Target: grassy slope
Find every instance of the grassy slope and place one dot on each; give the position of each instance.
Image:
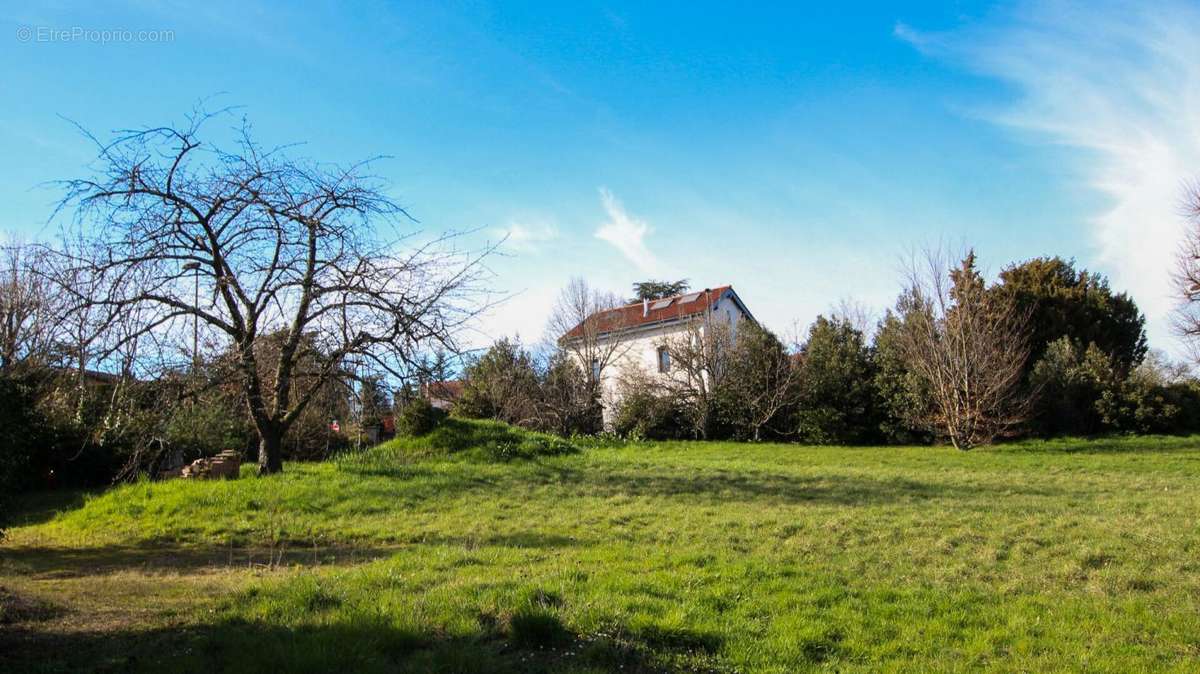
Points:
(698, 556)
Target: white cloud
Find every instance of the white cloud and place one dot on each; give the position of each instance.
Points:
(526, 237)
(626, 233)
(1121, 83)
(905, 32)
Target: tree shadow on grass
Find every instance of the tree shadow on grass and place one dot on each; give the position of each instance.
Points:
(416, 483)
(700, 485)
(42, 506)
(60, 562)
(1108, 444)
(746, 486)
(520, 644)
(20, 608)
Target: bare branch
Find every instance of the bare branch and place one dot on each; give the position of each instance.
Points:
(174, 234)
(969, 347)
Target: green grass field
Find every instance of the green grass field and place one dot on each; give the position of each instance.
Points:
(483, 549)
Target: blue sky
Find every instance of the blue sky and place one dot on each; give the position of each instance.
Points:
(797, 152)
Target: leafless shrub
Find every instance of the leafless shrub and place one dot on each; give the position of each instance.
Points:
(968, 346)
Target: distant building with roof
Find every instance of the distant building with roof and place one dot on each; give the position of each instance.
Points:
(442, 394)
(645, 329)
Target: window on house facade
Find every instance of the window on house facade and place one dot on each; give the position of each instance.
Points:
(664, 359)
(595, 369)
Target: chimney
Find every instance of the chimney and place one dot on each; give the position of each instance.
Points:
(645, 307)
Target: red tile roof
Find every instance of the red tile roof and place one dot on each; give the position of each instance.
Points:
(449, 391)
(631, 315)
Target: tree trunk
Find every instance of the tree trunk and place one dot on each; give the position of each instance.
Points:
(270, 451)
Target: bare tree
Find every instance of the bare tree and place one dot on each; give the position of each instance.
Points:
(1159, 369)
(82, 330)
(695, 365)
(856, 314)
(181, 235)
(969, 347)
(1187, 277)
(27, 311)
(588, 324)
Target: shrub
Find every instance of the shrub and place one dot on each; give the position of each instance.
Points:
(311, 439)
(1144, 407)
(1071, 383)
(759, 390)
(19, 424)
(837, 399)
(76, 451)
(1082, 393)
(1161, 396)
(208, 426)
(21, 429)
(900, 396)
(643, 412)
(567, 405)
(418, 417)
(1063, 301)
(501, 384)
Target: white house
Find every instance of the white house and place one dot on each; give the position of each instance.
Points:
(636, 336)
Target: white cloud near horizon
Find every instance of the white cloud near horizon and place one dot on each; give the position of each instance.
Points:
(1120, 83)
(626, 233)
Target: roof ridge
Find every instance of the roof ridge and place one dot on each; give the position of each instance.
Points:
(664, 309)
(671, 297)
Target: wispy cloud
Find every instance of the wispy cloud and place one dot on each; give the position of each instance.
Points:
(908, 34)
(526, 237)
(1122, 84)
(626, 233)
